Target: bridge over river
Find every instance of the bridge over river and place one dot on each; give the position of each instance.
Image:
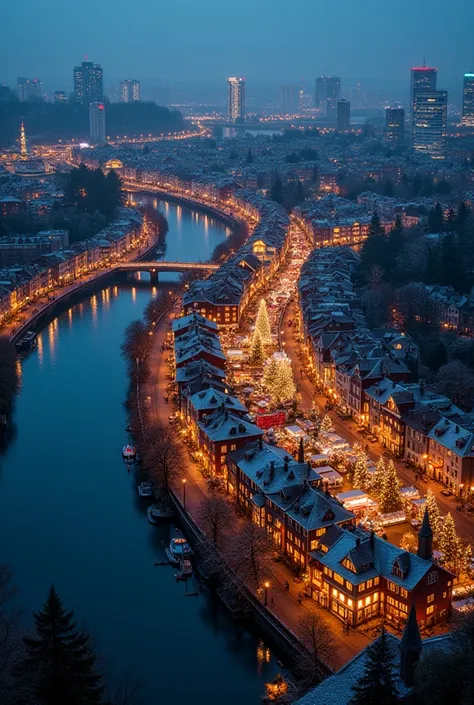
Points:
(154, 268)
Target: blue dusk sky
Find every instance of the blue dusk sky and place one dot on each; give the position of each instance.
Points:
(275, 40)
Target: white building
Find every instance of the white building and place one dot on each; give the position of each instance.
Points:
(97, 122)
(236, 99)
(129, 91)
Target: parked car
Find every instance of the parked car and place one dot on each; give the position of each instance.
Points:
(446, 492)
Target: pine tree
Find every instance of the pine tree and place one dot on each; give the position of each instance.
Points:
(257, 351)
(465, 560)
(249, 158)
(326, 425)
(62, 658)
(433, 511)
(377, 685)
(390, 497)
(449, 542)
(378, 478)
(262, 323)
(360, 479)
(278, 378)
(276, 192)
(435, 220)
(395, 244)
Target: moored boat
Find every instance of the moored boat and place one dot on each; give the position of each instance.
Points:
(157, 513)
(129, 453)
(145, 489)
(178, 549)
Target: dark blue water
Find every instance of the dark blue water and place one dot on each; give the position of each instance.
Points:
(70, 513)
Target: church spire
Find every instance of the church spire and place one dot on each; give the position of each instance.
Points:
(425, 538)
(23, 148)
(410, 647)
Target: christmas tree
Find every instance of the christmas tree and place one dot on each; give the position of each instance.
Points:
(378, 478)
(390, 497)
(377, 684)
(62, 658)
(326, 425)
(360, 479)
(449, 543)
(433, 511)
(257, 351)
(262, 324)
(465, 560)
(278, 378)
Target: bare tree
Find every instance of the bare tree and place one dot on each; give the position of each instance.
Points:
(217, 518)
(456, 380)
(250, 554)
(125, 691)
(162, 456)
(320, 647)
(135, 349)
(156, 306)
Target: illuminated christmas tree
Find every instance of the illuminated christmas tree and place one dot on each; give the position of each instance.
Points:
(378, 478)
(449, 543)
(278, 378)
(390, 497)
(257, 351)
(360, 479)
(262, 324)
(465, 561)
(433, 511)
(326, 425)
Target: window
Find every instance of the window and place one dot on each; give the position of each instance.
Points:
(233, 447)
(430, 610)
(445, 594)
(328, 572)
(334, 592)
(348, 585)
(362, 587)
(369, 583)
(223, 449)
(432, 577)
(403, 592)
(376, 581)
(430, 598)
(338, 579)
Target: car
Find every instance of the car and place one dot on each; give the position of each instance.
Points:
(446, 492)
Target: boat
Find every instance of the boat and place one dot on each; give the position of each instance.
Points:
(179, 548)
(129, 453)
(157, 513)
(27, 342)
(185, 567)
(145, 489)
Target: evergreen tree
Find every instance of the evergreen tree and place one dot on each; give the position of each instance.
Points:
(257, 351)
(276, 192)
(378, 478)
(262, 323)
(395, 244)
(377, 684)
(360, 479)
(449, 543)
(435, 220)
(433, 511)
(390, 497)
(326, 425)
(249, 158)
(299, 192)
(280, 383)
(374, 250)
(62, 658)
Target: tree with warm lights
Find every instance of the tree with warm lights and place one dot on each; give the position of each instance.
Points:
(278, 378)
(433, 512)
(449, 543)
(378, 478)
(390, 497)
(257, 351)
(262, 323)
(360, 479)
(409, 542)
(326, 425)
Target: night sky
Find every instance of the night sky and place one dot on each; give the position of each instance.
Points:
(257, 39)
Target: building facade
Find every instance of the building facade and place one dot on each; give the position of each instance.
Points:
(236, 99)
(343, 115)
(88, 83)
(97, 122)
(395, 125)
(129, 91)
(29, 89)
(429, 123)
(468, 99)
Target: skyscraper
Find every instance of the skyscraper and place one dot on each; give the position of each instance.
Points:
(88, 83)
(429, 121)
(97, 121)
(29, 89)
(290, 98)
(320, 92)
(327, 93)
(129, 91)
(468, 99)
(395, 125)
(236, 99)
(423, 79)
(343, 115)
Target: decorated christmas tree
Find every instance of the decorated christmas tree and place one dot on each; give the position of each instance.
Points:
(262, 323)
(278, 378)
(360, 479)
(378, 478)
(257, 351)
(449, 543)
(433, 511)
(465, 561)
(326, 425)
(390, 497)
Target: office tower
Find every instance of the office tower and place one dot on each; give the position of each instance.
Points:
(236, 99)
(423, 79)
(327, 93)
(468, 99)
(343, 115)
(129, 91)
(97, 121)
(88, 83)
(395, 125)
(29, 89)
(59, 97)
(320, 93)
(430, 111)
(290, 99)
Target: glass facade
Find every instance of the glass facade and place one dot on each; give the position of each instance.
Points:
(468, 99)
(429, 122)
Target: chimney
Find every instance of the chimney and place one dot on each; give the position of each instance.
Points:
(372, 538)
(425, 538)
(308, 469)
(286, 461)
(410, 648)
(260, 443)
(272, 469)
(301, 451)
(422, 387)
(357, 542)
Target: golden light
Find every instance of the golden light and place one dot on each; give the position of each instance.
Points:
(184, 480)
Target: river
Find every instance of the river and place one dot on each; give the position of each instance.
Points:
(70, 514)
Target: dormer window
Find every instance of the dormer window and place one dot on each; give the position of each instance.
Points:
(396, 570)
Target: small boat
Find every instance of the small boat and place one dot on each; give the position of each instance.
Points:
(27, 342)
(185, 567)
(179, 548)
(129, 453)
(156, 513)
(145, 489)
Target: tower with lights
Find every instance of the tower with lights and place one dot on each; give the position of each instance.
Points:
(23, 147)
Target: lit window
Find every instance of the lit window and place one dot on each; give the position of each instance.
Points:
(342, 597)
(430, 598)
(349, 602)
(367, 600)
(430, 610)
(334, 592)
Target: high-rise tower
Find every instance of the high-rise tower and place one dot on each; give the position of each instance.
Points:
(468, 99)
(236, 99)
(88, 83)
(97, 122)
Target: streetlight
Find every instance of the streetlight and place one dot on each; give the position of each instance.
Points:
(184, 492)
(266, 585)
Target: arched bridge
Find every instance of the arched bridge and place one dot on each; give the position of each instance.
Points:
(154, 268)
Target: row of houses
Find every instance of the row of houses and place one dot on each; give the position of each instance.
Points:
(20, 285)
(369, 375)
(352, 573)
